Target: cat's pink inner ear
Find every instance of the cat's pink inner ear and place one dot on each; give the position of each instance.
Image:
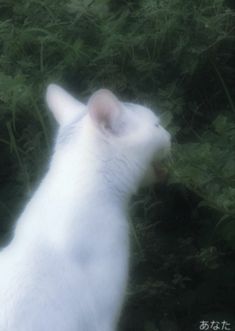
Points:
(105, 109)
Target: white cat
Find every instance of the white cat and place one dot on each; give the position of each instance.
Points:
(66, 268)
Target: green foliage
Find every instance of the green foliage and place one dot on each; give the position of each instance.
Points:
(176, 56)
(207, 167)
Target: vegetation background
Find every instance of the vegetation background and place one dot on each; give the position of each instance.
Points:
(175, 56)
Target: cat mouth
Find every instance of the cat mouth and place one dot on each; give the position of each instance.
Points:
(161, 165)
(160, 171)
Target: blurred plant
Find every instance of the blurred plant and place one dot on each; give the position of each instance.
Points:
(178, 58)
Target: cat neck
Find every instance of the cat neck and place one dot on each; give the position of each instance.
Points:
(71, 194)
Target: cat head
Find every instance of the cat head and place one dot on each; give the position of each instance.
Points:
(128, 138)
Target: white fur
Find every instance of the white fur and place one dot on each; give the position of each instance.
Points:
(66, 268)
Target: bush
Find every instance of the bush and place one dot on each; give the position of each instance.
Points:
(175, 56)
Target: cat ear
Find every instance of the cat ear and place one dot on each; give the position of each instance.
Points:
(64, 107)
(105, 110)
